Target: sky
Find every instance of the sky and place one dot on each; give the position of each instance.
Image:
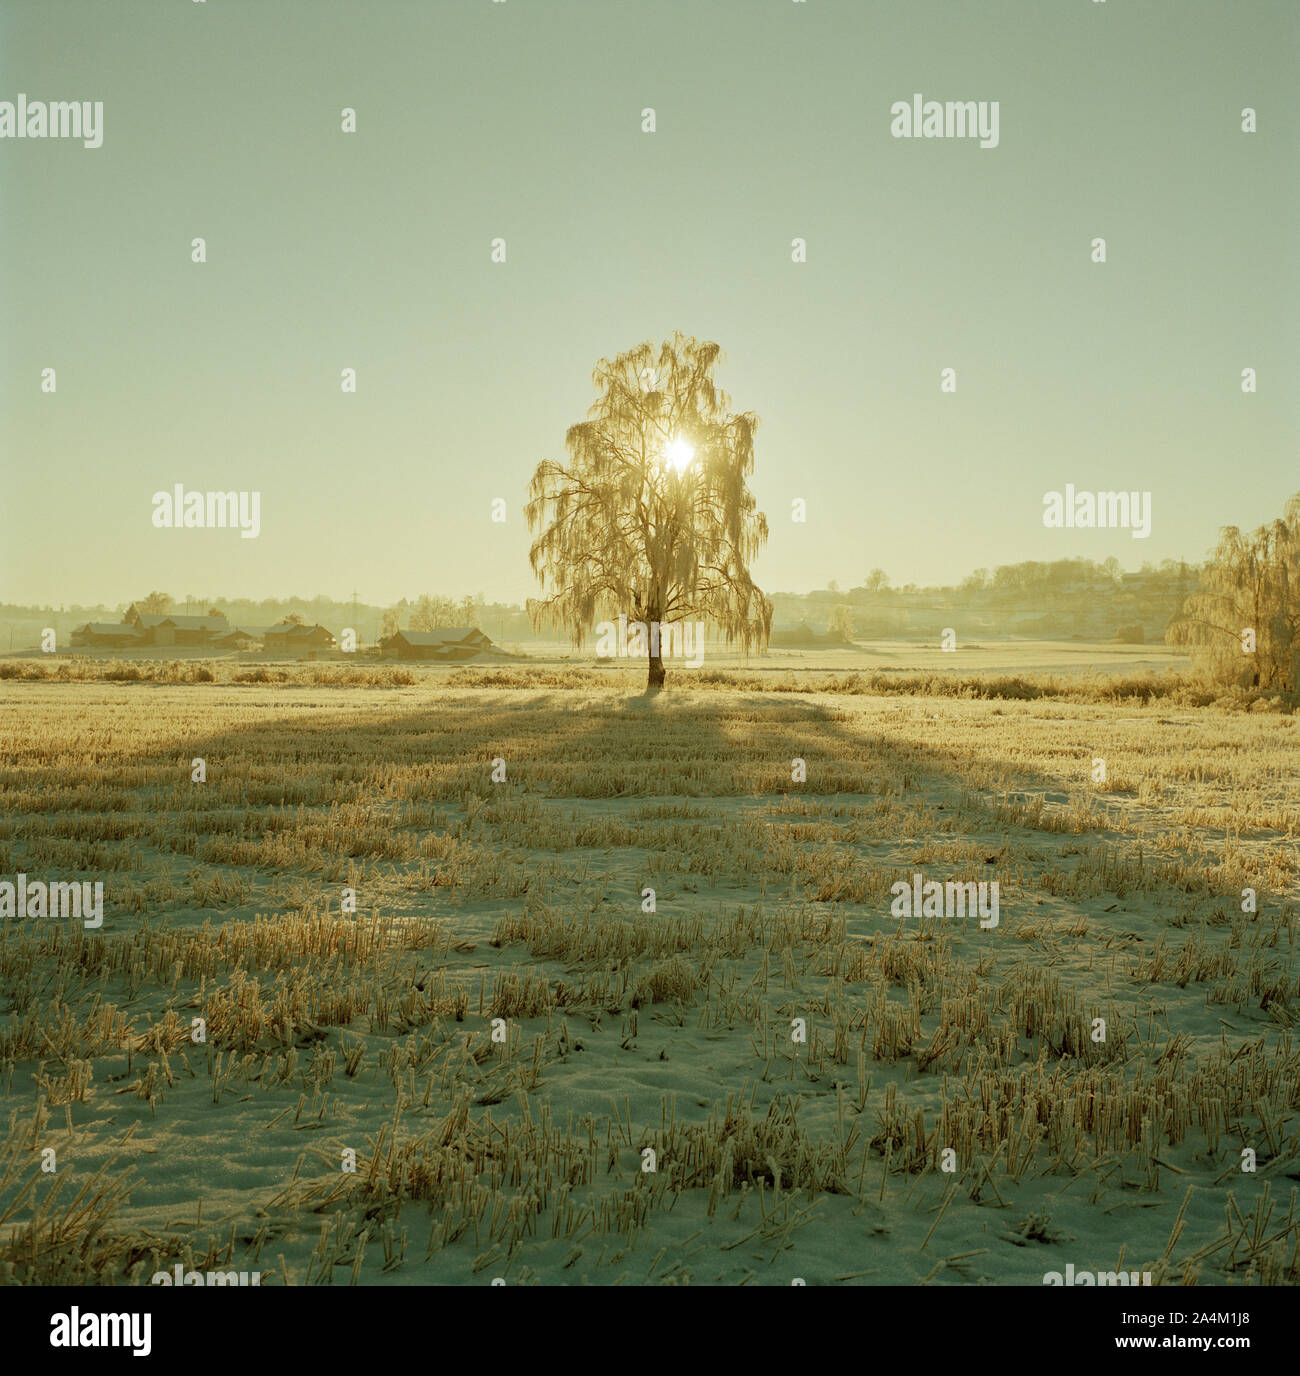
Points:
(523, 120)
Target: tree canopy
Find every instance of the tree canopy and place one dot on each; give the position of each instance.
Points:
(652, 517)
(1243, 622)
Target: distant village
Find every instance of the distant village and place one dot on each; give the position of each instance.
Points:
(142, 630)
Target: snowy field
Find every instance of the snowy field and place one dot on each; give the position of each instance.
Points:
(639, 1008)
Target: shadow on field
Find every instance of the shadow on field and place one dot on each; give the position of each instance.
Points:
(566, 744)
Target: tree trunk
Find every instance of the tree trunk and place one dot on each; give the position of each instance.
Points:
(655, 679)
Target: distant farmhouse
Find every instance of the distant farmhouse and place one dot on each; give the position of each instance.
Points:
(171, 629)
(140, 630)
(238, 637)
(107, 635)
(446, 643)
(143, 630)
(290, 635)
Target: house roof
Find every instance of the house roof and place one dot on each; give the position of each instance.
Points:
(252, 632)
(184, 623)
(444, 635)
(108, 628)
(294, 628)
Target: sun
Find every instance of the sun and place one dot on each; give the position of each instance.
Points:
(679, 454)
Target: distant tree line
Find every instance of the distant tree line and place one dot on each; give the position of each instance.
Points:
(1058, 597)
(1238, 614)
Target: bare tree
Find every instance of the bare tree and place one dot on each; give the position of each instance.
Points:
(652, 516)
(431, 612)
(841, 622)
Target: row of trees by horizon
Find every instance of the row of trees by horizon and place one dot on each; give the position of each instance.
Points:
(1062, 597)
(1247, 592)
(876, 606)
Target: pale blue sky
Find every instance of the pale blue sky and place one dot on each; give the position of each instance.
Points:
(522, 119)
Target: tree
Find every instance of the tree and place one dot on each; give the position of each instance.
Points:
(295, 619)
(652, 516)
(1243, 622)
(389, 624)
(431, 612)
(841, 622)
(976, 581)
(156, 604)
(877, 580)
(216, 611)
